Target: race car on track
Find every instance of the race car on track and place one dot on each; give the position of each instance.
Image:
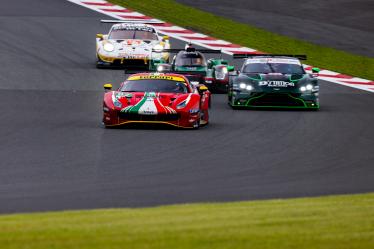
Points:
(274, 81)
(157, 98)
(131, 44)
(191, 62)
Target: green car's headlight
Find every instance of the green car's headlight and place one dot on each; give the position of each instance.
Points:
(244, 86)
(308, 87)
(249, 88)
(160, 68)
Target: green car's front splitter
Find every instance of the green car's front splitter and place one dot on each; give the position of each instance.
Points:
(275, 107)
(253, 103)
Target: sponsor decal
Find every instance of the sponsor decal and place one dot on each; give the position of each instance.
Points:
(156, 77)
(276, 83)
(149, 105)
(133, 56)
(136, 28)
(119, 95)
(190, 68)
(132, 42)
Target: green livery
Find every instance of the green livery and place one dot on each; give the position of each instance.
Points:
(191, 62)
(273, 81)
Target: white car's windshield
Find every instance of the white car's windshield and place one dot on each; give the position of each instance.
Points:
(139, 34)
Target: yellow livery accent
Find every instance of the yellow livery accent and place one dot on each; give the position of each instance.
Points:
(105, 58)
(156, 77)
(150, 122)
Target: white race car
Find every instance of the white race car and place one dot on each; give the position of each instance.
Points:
(131, 44)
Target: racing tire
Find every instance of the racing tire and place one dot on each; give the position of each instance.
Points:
(231, 104)
(197, 125)
(100, 64)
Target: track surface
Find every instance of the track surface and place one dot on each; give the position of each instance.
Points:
(343, 24)
(55, 155)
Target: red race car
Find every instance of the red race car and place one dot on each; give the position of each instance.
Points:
(157, 98)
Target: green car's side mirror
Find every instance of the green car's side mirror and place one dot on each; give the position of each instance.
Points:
(108, 87)
(315, 70)
(230, 68)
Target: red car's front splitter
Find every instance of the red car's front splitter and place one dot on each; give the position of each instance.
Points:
(185, 121)
(124, 123)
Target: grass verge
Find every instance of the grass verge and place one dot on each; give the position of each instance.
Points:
(316, 223)
(249, 36)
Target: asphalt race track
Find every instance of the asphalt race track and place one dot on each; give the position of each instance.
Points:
(55, 155)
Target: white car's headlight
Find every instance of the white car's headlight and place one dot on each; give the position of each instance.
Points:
(158, 48)
(109, 47)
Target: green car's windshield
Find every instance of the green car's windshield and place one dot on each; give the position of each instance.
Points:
(154, 85)
(266, 68)
(192, 59)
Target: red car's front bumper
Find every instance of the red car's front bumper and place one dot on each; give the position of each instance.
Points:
(180, 119)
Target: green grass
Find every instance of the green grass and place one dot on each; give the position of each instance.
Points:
(249, 36)
(315, 223)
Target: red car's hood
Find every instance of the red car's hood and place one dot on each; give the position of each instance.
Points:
(150, 103)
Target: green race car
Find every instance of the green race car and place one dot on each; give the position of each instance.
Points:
(191, 62)
(273, 81)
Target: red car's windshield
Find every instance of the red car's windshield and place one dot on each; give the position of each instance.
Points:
(154, 85)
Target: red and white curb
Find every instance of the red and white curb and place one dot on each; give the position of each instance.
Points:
(199, 39)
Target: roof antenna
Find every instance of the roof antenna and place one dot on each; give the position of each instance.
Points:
(188, 45)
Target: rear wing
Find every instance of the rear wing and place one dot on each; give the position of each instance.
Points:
(132, 21)
(188, 73)
(191, 73)
(176, 50)
(242, 56)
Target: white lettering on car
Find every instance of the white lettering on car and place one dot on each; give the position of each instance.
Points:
(276, 83)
